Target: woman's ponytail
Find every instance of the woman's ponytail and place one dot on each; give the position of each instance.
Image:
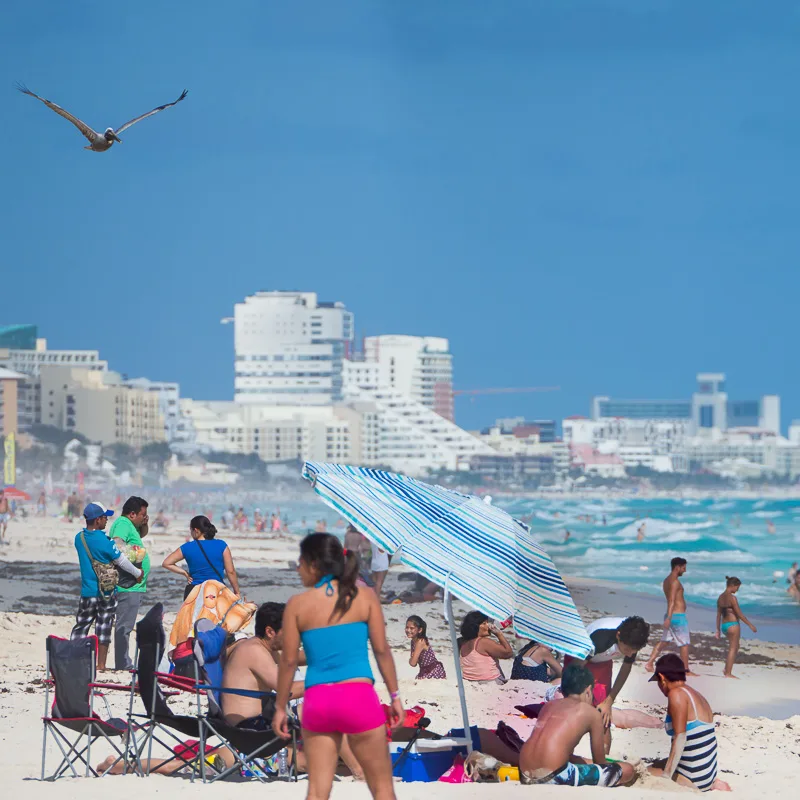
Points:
(347, 582)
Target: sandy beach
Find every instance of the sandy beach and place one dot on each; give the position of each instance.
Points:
(758, 716)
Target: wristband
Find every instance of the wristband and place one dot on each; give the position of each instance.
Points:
(394, 695)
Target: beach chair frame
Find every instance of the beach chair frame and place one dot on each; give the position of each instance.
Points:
(89, 726)
(204, 725)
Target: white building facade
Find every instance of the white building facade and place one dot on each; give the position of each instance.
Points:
(290, 349)
(418, 367)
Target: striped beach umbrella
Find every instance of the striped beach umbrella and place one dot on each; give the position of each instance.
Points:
(476, 551)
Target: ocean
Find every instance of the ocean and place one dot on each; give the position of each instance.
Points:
(717, 537)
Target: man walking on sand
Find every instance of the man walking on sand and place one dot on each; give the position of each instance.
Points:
(676, 626)
(128, 531)
(95, 605)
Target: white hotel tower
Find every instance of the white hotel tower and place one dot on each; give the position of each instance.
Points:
(289, 349)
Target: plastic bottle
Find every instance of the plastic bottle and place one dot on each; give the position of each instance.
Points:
(283, 763)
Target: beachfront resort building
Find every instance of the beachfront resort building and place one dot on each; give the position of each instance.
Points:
(169, 396)
(370, 428)
(289, 349)
(9, 401)
(419, 367)
(98, 404)
(708, 409)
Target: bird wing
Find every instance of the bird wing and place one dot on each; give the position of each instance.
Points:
(81, 126)
(150, 113)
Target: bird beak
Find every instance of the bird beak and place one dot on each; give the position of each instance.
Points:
(117, 139)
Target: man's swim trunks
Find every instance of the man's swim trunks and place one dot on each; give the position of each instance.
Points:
(579, 775)
(676, 630)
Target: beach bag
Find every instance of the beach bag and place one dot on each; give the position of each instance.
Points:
(523, 672)
(107, 575)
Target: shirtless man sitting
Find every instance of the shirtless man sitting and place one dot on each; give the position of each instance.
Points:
(676, 626)
(253, 665)
(547, 757)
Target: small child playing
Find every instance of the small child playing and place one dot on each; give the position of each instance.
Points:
(422, 654)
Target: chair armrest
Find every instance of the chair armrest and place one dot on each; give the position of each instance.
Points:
(239, 692)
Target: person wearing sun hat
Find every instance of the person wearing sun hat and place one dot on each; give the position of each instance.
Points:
(98, 605)
(692, 757)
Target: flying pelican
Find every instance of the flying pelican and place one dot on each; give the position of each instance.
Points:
(98, 142)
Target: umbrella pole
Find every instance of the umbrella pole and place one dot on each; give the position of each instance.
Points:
(448, 611)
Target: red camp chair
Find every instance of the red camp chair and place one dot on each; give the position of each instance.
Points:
(71, 668)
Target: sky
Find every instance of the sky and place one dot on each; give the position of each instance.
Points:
(595, 194)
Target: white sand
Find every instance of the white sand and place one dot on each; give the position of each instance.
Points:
(758, 756)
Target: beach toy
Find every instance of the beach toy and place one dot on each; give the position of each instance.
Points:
(643, 568)
(507, 773)
(778, 573)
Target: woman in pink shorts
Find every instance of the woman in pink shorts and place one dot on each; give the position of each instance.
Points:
(334, 620)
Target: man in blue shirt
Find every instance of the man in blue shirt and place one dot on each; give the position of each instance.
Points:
(96, 606)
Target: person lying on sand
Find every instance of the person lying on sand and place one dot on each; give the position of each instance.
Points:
(693, 755)
(547, 757)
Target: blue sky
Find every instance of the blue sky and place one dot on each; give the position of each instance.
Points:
(599, 194)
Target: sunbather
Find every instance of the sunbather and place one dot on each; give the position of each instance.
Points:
(547, 757)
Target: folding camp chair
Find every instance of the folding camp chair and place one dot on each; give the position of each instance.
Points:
(161, 722)
(71, 667)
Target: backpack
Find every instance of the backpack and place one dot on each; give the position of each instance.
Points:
(107, 575)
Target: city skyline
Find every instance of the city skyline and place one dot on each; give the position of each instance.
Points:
(597, 197)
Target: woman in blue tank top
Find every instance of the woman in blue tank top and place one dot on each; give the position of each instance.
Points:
(334, 620)
(207, 558)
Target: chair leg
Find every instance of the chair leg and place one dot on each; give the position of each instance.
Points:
(44, 749)
(89, 748)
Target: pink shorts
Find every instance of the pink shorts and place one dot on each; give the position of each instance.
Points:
(342, 708)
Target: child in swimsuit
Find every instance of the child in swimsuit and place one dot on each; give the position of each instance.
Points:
(728, 616)
(422, 654)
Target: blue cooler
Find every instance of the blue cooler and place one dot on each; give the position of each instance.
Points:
(428, 759)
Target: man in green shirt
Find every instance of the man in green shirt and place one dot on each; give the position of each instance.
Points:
(128, 530)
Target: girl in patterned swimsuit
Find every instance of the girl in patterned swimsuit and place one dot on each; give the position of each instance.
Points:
(422, 654)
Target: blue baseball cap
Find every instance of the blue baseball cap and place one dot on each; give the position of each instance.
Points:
(95, 511)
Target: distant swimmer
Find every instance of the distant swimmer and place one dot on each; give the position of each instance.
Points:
(676, 626)
(604, 519)
(770, 527)
(792, 572)
(640, 532)
(567, 534)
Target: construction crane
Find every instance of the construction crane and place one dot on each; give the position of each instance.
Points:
(511, 390)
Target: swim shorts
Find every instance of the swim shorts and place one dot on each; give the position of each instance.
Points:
(677, 631)
(380, 560)
(578, 775)
(4, 518)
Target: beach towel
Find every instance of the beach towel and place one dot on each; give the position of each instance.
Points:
(213, 601)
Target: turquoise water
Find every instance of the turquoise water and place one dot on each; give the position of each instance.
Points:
(717, 537)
